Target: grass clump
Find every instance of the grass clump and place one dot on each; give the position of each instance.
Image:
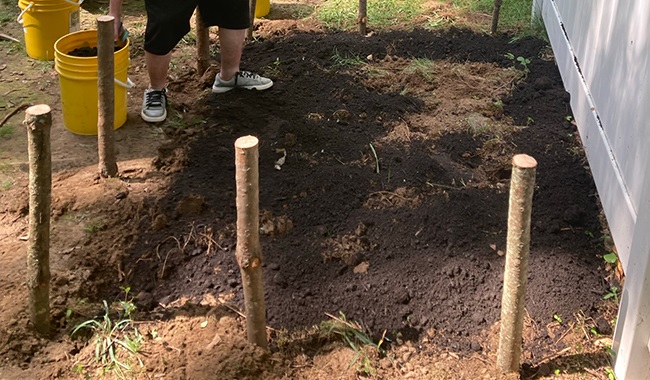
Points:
(343, 14)
(358, 339)
(115, 338)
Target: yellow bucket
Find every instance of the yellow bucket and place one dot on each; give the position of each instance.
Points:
(78, 82)
(262, 8)
(44, 22)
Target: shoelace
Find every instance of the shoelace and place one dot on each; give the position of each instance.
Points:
(247, 74)
(154, 98)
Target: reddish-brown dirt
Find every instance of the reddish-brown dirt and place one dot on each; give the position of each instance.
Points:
(391, 207)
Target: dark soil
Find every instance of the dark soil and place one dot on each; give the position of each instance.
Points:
(88, 51)
(411, 245)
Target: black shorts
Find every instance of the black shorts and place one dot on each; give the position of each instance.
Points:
(168, 21)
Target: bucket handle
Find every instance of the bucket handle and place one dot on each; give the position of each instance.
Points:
(19, 19)
(128, 85)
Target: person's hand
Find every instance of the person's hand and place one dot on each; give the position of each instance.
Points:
(121, 34)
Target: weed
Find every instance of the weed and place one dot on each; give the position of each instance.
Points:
(438, 21)
(274, 68)
(116, 341)
(557, 318)
(613, 293)
(422, 66)
(94, 227)
(357, 338)
(530, 121)
(344, 60)
(568, 118)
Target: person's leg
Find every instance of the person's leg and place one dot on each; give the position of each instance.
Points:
(167, 23)
(157, 67)
(232, 18)
(232, 44)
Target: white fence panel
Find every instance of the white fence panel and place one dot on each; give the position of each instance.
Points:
(602, 49)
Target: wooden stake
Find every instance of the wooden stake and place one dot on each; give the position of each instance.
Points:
(38, 120)
(249, 251)
(363, 17)
(522, 185)
(202, 45)
(106, 96)
(252, 7)
(495, 15)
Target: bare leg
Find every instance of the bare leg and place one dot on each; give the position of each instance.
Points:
(232, 44)
(157, 67)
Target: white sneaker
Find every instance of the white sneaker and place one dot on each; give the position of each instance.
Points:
(243, 79)
(154, 105)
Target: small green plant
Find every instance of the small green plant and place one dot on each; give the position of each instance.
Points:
(524, 62)
(613, 293)
(557, 372)
(568, 118)
(274, 68)
(557, 318)
(116, 340)
(610, 258)
(529, 121)
(610, 373)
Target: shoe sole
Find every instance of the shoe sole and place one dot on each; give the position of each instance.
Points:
(221, 90)
(151, 119)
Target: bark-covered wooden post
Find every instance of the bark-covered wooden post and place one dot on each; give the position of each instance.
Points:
(38, 120)
(515, 279)
(249, 250)
(495, 15)
(106, 96)
(202, 45)
(363, 17)
(252, 7)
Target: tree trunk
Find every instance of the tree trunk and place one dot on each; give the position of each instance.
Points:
(249, 251)
(249, 32)
(522, 185)
(106, 96)
(495, 15)
(202, 45)
(363, 17)
(38, 120)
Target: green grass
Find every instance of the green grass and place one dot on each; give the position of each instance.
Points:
(514, 15)
(8, 11)
(423, 66)
(6, 131)
(342, 14)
